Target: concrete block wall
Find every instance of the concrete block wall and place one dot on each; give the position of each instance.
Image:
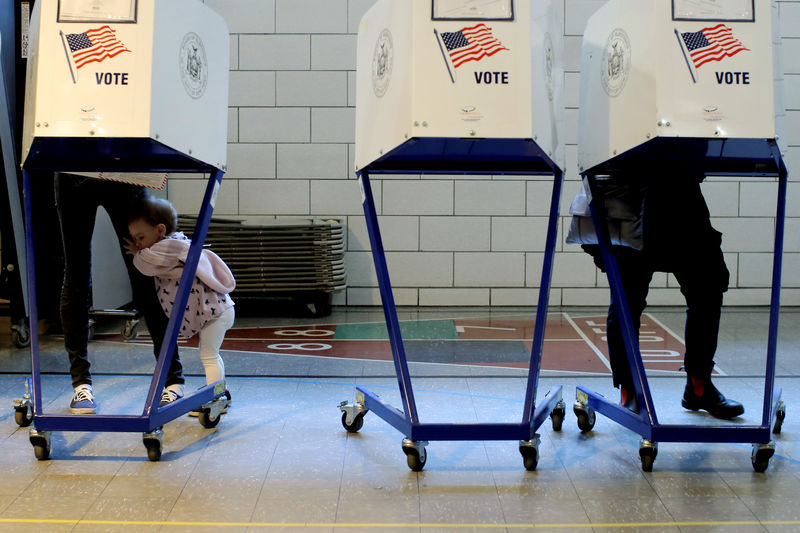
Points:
(449, 240)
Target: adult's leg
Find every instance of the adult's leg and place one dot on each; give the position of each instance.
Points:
(635, 275)
(76, 204)
(117, 201)
(47, 247)
(702, 281)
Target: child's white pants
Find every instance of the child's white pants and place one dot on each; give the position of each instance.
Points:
(211, 337)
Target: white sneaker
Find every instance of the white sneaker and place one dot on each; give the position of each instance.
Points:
(83, 401)
(170, 394)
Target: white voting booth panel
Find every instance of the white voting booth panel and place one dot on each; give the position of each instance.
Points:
(685, 68)
(160, 75)
(426, 70)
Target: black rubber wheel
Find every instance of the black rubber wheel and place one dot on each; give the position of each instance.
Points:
(22, 418)
(153, 449)
(41, 451)
(780, 414)
(586, 418)
(761, 459)
(530, 457)
(415, 457)
(21, 337)
(648, 457)
(415, 461)
(205, 419)
(358, 422)
(557, 417)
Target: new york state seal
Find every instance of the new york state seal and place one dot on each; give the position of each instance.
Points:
(616, 66)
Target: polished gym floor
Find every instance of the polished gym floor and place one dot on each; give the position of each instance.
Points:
(281, 460)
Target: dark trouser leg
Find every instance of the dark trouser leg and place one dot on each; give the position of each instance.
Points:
(76, 209)
(636, 276)
(142, 287)
(47, 247)
(702, 284)
(156, 320)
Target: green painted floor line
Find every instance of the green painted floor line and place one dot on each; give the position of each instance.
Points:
(409, 330)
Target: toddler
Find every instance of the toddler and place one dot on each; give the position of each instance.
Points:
(159, 250)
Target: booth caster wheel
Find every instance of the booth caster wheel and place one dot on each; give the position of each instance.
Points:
(211, 413)
(762, 452)
(557, 415)
(647, 453)
(41, 443)
(152, 441)
(23, 416)
(530, 452)
(415, 453)
(586, 416)
(207, 419)
(21, 335)
(356, 424)
(353, 416)
(131, 329)
(23, 407)
(780, 414)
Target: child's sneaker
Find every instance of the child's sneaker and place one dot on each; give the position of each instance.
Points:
(170, 394)
(83, 401)
(196, 412)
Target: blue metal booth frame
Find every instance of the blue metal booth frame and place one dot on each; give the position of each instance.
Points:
(712, 157)
(459, 156)
(118, 155)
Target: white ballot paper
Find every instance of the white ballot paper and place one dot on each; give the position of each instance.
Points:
(733, 10)
(473, 9)
(97, 10)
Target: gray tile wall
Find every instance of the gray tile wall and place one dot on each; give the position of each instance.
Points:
(449, 241)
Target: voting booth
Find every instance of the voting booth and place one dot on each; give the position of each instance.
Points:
(442, 74)
(459, 70)
(682, 87)
(660, 75)
(459, 87)
(139, 84)
(126, 90)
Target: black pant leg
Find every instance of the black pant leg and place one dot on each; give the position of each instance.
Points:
(143, 289)
(77, 207)
(635, 275)
(703, 280)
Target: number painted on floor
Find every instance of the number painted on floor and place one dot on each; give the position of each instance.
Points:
(304, 332)
(305, 346)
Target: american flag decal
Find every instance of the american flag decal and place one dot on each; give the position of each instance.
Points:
(94, 45)
(712, 44)
(471, 44)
